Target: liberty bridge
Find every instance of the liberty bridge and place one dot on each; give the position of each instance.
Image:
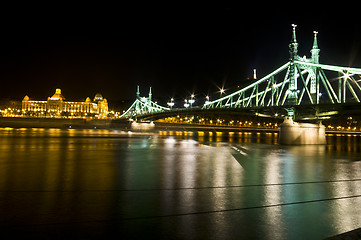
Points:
(302, 88)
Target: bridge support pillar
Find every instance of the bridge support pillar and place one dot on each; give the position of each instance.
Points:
(290, 112)
(293, 133)
(142, 126)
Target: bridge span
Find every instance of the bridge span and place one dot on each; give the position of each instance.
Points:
(302, 88)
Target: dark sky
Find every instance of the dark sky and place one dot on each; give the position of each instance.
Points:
(177, 50)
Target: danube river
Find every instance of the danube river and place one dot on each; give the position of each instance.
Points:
(91, 184)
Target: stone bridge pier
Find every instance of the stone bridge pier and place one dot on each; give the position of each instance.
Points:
(294, 133)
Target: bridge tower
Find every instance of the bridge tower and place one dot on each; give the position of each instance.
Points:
(150, 95)
(315, 78)
(292, 87)
(143, 106)
(315, 51)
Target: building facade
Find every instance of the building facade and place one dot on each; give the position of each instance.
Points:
(56, 106)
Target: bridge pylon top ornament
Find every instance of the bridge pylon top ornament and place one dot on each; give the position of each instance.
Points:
(293, 46)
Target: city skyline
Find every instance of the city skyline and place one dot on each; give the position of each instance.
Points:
(177, 51)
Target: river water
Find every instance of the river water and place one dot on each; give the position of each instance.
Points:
(91, 184)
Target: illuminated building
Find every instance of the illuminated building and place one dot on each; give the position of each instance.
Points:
(56, 106)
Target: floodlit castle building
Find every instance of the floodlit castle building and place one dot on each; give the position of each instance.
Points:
(56, 106)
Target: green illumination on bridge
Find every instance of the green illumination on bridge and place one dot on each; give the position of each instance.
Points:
(300, 81)
(143, 105)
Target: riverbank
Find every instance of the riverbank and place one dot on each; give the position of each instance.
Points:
(19, 122)
(210, 128)
(123, 124)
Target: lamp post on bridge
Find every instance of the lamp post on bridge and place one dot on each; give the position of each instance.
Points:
(222, 91)
(171, 103)
(207, 99)
(192, 100)
(186, 104)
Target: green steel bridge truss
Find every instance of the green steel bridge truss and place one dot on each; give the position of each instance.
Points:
(312, 78)
(300, 81)
(142, 106)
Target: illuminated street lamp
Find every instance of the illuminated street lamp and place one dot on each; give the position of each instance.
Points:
(192, 100)
(207, 99)
(186, 104)
(347, 75)
(222, 91)
(171, 103)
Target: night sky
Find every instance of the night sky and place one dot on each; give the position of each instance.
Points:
(176, 50)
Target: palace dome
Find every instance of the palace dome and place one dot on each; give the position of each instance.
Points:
(98, 97)
(57, 95)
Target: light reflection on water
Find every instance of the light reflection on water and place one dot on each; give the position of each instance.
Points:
(180, 184)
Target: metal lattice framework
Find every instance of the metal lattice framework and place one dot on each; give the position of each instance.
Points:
(299, 81)
(143, 106)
